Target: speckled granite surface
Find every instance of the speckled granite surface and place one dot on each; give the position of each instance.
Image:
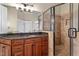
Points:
(22, 35)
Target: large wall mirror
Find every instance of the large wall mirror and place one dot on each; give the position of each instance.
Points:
(27, 21)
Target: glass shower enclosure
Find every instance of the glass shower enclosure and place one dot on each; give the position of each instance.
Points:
(62, 20)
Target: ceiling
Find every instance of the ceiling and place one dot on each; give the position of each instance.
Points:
(40, 7)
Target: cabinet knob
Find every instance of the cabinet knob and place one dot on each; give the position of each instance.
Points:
(3, 47)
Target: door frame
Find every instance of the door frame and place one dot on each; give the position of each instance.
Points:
(71, 24)
(71, 15)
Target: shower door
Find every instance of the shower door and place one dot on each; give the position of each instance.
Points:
(75, 24)
(66, 27)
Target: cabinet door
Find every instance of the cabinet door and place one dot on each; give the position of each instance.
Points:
(44, 46)
(4, 19)
(17, 50)
(28, 49)
(37, 47)
(44, 49)
(5, 50)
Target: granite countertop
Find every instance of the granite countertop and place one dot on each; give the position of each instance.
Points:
(22, 35)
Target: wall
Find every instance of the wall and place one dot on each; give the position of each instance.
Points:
(50, 43)
(58, 30)
(12, 19)
(27, 15)
(65, 14)
(76, 45)
(46, 21)
(75, 15)
(41, 22)
(65, 25)
(14, 16)
(64, 47)
(75, 24)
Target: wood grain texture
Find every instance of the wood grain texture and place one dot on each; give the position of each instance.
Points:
(37, 46)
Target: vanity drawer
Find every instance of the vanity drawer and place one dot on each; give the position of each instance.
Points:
(30, 40)
(5, 41)
(17, 42)
(18, 54)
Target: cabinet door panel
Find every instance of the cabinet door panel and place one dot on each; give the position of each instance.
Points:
(44, 46)
(5, 50)
(37, 47)
(17, 50)
(28, 49)
(44, 49)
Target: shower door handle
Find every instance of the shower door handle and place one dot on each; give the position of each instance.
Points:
(72, 33)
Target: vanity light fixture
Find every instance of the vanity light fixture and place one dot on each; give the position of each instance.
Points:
(25, 7)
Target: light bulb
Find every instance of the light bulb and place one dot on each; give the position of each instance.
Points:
(17, 7)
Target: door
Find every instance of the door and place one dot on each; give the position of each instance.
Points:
(76, 25)
(62, 24)
(37, 47)
(44, 46)
(28, 49)
(5, 50)
(66, 29)
(17, 50)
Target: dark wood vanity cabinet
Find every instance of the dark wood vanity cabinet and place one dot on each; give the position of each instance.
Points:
(36, 46)
(33, 47)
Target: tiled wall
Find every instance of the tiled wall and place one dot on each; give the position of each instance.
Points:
(76, 45)
(50, 42)
(65, 25)
(58, 30)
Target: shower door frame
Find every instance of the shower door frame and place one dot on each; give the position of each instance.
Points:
(71, 26)
(54, 29)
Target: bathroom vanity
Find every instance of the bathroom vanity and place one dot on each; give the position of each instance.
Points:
(24, 44)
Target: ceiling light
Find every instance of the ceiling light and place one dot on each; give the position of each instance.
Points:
(25, 7)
